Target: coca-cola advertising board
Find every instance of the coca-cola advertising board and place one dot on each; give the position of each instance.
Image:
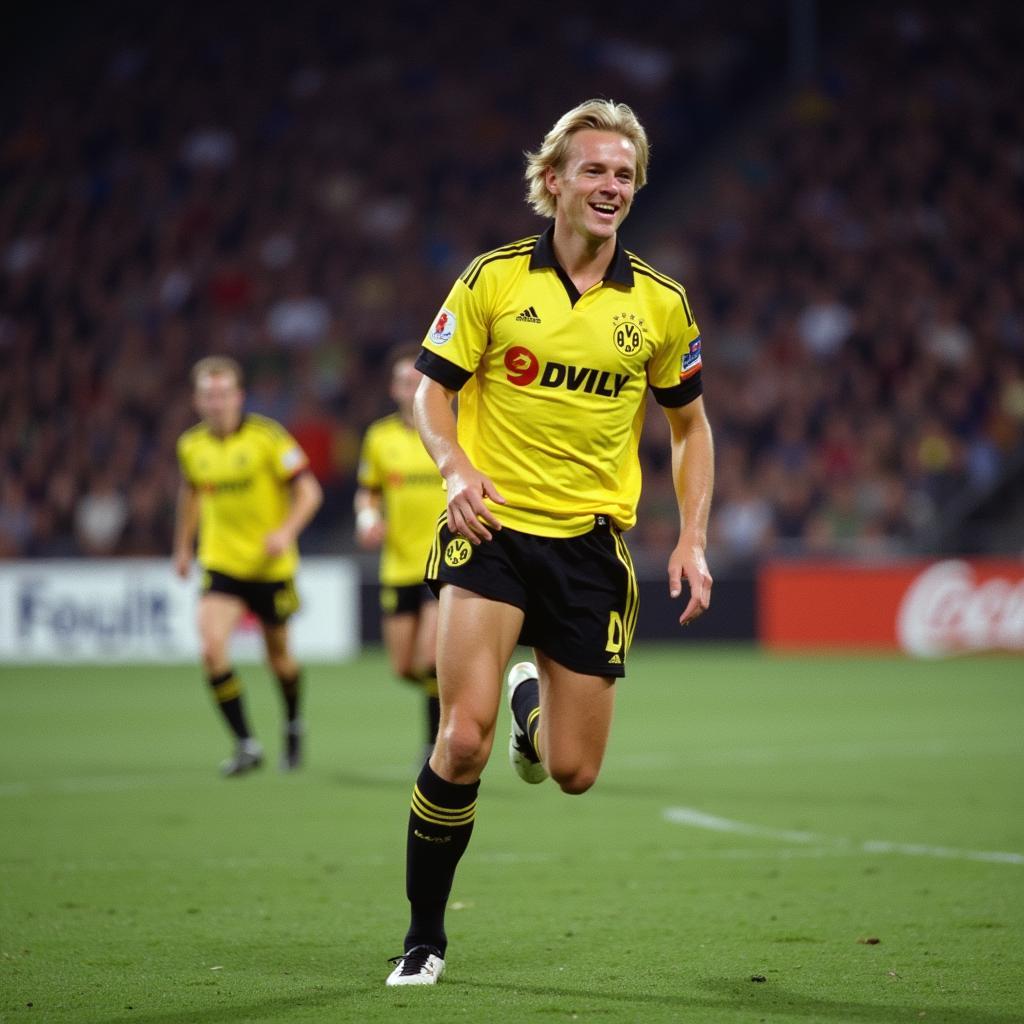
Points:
(927, 609)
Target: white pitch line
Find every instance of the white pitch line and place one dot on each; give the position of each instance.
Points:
(700, 819)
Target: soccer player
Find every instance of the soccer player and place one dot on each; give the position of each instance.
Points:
(551, 344)
(397, 503)
(247, 488)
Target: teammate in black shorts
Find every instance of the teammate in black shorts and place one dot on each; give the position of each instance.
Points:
(397, 503)
(551, 344)
(247, 490)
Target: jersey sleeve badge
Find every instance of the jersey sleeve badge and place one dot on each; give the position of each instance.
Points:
(444, 327)
(690, 362)
(293, 459)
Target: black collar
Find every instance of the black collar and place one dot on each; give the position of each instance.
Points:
(619, 270)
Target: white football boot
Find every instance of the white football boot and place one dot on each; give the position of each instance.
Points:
(422, 965)
(520, 749)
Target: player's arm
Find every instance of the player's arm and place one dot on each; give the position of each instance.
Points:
(693, 474)
(370, 527)
(306, 497)
(467, 486)
(186, 523)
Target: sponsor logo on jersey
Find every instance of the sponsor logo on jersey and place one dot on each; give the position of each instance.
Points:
(458, 552)
(583, 378)
(627, 333)
(690, 363)
(524, 368)
(444, 327)
(396, 479)
(221, 486)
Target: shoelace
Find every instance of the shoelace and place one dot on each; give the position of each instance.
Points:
(415, 960)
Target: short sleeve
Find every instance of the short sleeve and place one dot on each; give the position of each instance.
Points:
(674, 373)
(288, 459)
(461, 329)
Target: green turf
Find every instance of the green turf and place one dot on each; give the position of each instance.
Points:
(137, 886)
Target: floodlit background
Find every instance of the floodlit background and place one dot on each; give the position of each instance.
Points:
(840, 188)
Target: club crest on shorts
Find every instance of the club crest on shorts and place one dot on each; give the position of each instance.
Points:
(458, 552)
(628, 333)
(444, 327)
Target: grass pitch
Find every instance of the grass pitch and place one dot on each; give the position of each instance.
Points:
(778, 840)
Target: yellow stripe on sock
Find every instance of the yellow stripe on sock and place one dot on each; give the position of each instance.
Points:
(228, 690)
(451, 817)
(530, 719)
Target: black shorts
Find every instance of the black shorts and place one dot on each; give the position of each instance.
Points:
(579, 594)
(271, 601)
(404, 600)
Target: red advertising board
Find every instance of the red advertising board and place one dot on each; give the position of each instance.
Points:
(925, 608)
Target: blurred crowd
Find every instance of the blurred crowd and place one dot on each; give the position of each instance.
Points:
(300, 193)
(858, 271)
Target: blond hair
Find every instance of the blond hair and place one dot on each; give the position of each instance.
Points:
(215, 366)
(603, 115)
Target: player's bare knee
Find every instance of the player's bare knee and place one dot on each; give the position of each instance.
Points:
(573, 781)
(214, 657)
(463, 747)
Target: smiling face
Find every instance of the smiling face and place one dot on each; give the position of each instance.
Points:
(594, 190)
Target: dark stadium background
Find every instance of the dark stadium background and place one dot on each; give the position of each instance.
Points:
(840, 188)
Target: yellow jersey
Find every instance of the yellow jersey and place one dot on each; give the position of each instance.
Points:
(552, 383)
(242, 481)
(394, 463)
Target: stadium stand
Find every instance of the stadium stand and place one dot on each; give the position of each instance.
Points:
(299, 192)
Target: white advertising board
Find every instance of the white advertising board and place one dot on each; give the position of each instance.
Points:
(137, 610)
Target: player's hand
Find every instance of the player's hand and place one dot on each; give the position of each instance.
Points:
(371, 536)
(278, 542)
(182, 564)
(687, 561)
(468, 516)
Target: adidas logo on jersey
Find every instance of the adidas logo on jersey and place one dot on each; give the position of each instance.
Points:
(528, 316)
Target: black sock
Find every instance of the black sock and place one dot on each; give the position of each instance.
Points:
(433, 718)
(227, 692)
(440, 824)
(291, 687)
(526, 708)
(428, 680)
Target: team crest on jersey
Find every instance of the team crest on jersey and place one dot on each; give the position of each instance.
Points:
(444, 327)
(690, 362)
(458, 552)
(628, 333)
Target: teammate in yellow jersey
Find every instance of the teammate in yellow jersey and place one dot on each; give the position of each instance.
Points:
(247, 489)
(398, 502)
(551, 344)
